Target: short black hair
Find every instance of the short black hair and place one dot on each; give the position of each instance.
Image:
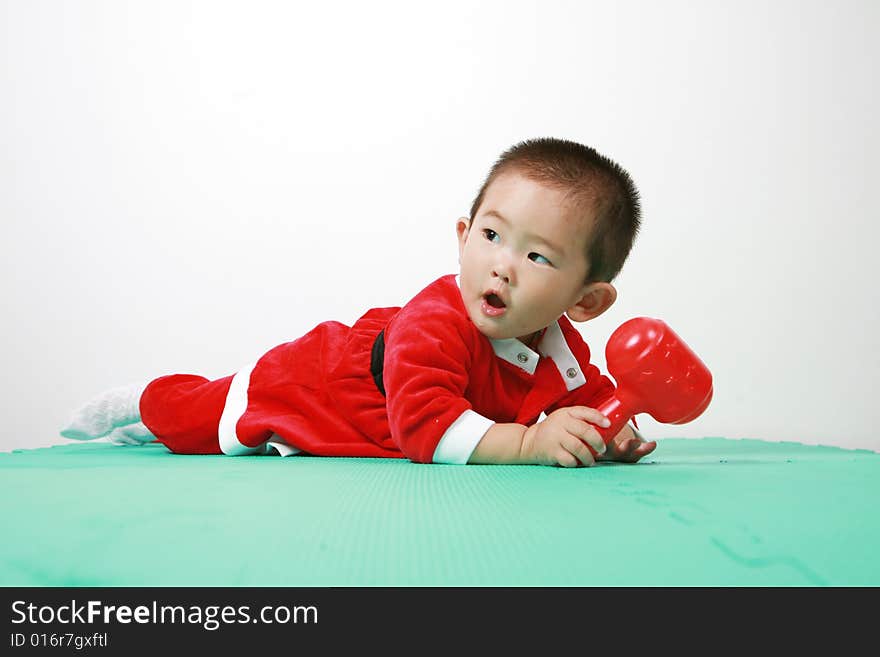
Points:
(589, 179)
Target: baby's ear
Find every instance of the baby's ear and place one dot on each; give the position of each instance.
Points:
(462, 228)
(596, 299)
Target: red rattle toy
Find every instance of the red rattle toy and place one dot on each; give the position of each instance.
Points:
(656, 373)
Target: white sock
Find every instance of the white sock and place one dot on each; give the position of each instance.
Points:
(131, 434)
(101, 415)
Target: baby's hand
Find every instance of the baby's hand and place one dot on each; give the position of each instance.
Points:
(628, 447)
(562, 438)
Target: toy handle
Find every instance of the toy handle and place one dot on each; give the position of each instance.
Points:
(618, 412)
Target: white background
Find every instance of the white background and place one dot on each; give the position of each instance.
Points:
(185, 185)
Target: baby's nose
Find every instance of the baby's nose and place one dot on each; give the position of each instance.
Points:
(503, 274)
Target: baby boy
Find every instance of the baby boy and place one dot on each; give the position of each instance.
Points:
(480, 367)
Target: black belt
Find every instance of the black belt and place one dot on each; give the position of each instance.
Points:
(377, 361)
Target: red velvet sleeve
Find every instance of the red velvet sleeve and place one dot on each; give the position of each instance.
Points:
(427, 359)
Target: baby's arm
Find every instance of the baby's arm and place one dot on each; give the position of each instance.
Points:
(564, 438)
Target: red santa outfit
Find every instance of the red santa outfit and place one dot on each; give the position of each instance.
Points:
(431, 396)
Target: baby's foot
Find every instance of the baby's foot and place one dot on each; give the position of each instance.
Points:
(131, 434)
(115, 408)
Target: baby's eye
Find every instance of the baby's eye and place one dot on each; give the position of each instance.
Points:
(491, 235)
(537, 257)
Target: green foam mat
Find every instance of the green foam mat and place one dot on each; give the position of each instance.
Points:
(707, 512)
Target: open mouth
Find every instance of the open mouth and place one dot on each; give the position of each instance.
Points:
(494, 300)
(492, 305)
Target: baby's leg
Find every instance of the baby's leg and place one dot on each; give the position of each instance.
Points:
(183, 412)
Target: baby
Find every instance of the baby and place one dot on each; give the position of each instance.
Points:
(479, 367)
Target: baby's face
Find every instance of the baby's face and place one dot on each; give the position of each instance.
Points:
(523, 258)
